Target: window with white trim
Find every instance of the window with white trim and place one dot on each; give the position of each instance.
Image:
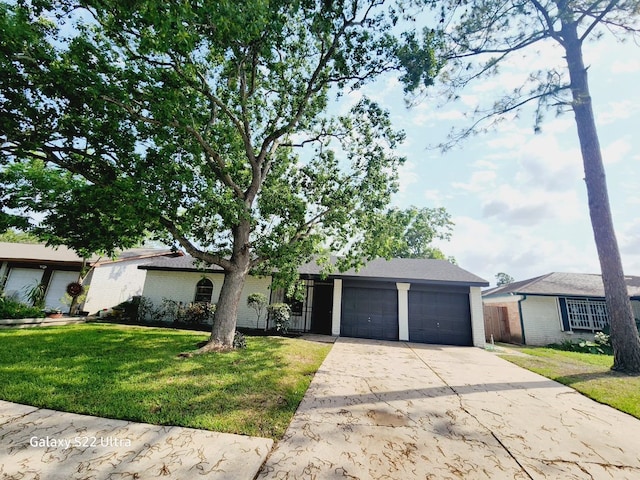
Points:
(204, 291)
(587, 314)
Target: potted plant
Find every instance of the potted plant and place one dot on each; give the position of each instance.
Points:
(53, 313)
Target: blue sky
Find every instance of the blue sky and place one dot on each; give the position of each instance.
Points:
(518, 199)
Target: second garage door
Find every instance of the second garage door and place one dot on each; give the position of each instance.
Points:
(370, 311)
(440, 316)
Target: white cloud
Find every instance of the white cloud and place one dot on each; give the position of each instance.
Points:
(616, 151)
(629, 65)
(484, 164)
(479, 181)
(407, 176)
(486, 249)
(617, 111)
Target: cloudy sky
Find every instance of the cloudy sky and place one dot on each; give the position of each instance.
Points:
(518, 198)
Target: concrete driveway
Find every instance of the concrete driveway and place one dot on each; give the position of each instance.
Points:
(389, 410)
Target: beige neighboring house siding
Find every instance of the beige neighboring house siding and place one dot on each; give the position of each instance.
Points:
(113, 283)
(181, 287)
(542, 318)
(477, 316)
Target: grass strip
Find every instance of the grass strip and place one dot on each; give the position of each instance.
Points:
(587, 373)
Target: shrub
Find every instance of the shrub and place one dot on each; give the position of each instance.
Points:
(36, 294)
(281, 314)
(602, 339)
(585, 346)
(146, 310)
(239, 340)
(198, 313)
(11, 308)
(171, 311)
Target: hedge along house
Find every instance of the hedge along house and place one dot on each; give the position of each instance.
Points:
(556, 307)
(418, 300)
(108, 282)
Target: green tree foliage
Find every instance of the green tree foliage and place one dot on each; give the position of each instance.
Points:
(410, 233)
(477, 37)
(503, 279)
(16, 236)
(186, 119)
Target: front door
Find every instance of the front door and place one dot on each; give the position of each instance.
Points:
(322, 308)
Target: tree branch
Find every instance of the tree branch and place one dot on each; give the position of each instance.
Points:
(610, 6)
(213, 158)
(191, 248)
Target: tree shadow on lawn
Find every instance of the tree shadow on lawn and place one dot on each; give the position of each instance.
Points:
(597, 375)
(137, 376)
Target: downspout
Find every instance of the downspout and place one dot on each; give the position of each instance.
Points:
(524, 297)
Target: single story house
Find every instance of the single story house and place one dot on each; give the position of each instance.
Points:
(108, 283)
(418, 300)
(554, 307)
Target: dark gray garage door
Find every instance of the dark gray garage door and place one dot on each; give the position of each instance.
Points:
(369, 312)
(440, 317)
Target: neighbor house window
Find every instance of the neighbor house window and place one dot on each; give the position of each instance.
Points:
(204, 291)
(586, 314)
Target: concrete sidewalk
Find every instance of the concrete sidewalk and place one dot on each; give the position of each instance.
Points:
(410, 411)
(49, 445)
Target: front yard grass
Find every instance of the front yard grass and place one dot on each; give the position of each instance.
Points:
(587, 373)
(133, 373)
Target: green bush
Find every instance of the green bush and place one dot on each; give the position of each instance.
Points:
(239, 340)
(281, 314)
(600, 345)
(198, 313)
(10, 308)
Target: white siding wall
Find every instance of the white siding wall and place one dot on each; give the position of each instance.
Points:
(57, 290)
(20, 281)
(477, 316)
(114, 283)
(181, 287)
(542, 322)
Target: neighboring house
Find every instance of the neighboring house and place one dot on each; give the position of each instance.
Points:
(108, 283)
(555, 307)
(418, 300)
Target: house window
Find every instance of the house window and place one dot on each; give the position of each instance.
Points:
(295, 305)
(204, 291)
(587, 314)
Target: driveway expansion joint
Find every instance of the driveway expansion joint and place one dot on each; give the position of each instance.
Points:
(472, 415)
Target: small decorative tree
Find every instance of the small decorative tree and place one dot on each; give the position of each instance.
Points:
(258, 302)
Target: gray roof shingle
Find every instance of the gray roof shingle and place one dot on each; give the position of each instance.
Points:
(425, 270)
(563, 284)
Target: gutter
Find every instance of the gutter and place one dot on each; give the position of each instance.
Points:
(524, 297)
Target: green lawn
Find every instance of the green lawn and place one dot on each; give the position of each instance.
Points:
(133, 373)
(587, 373)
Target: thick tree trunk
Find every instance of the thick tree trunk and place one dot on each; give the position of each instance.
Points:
(624, 335)
(226, 314)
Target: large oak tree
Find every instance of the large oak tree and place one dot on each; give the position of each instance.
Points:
(182, 120)
(477, 37)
